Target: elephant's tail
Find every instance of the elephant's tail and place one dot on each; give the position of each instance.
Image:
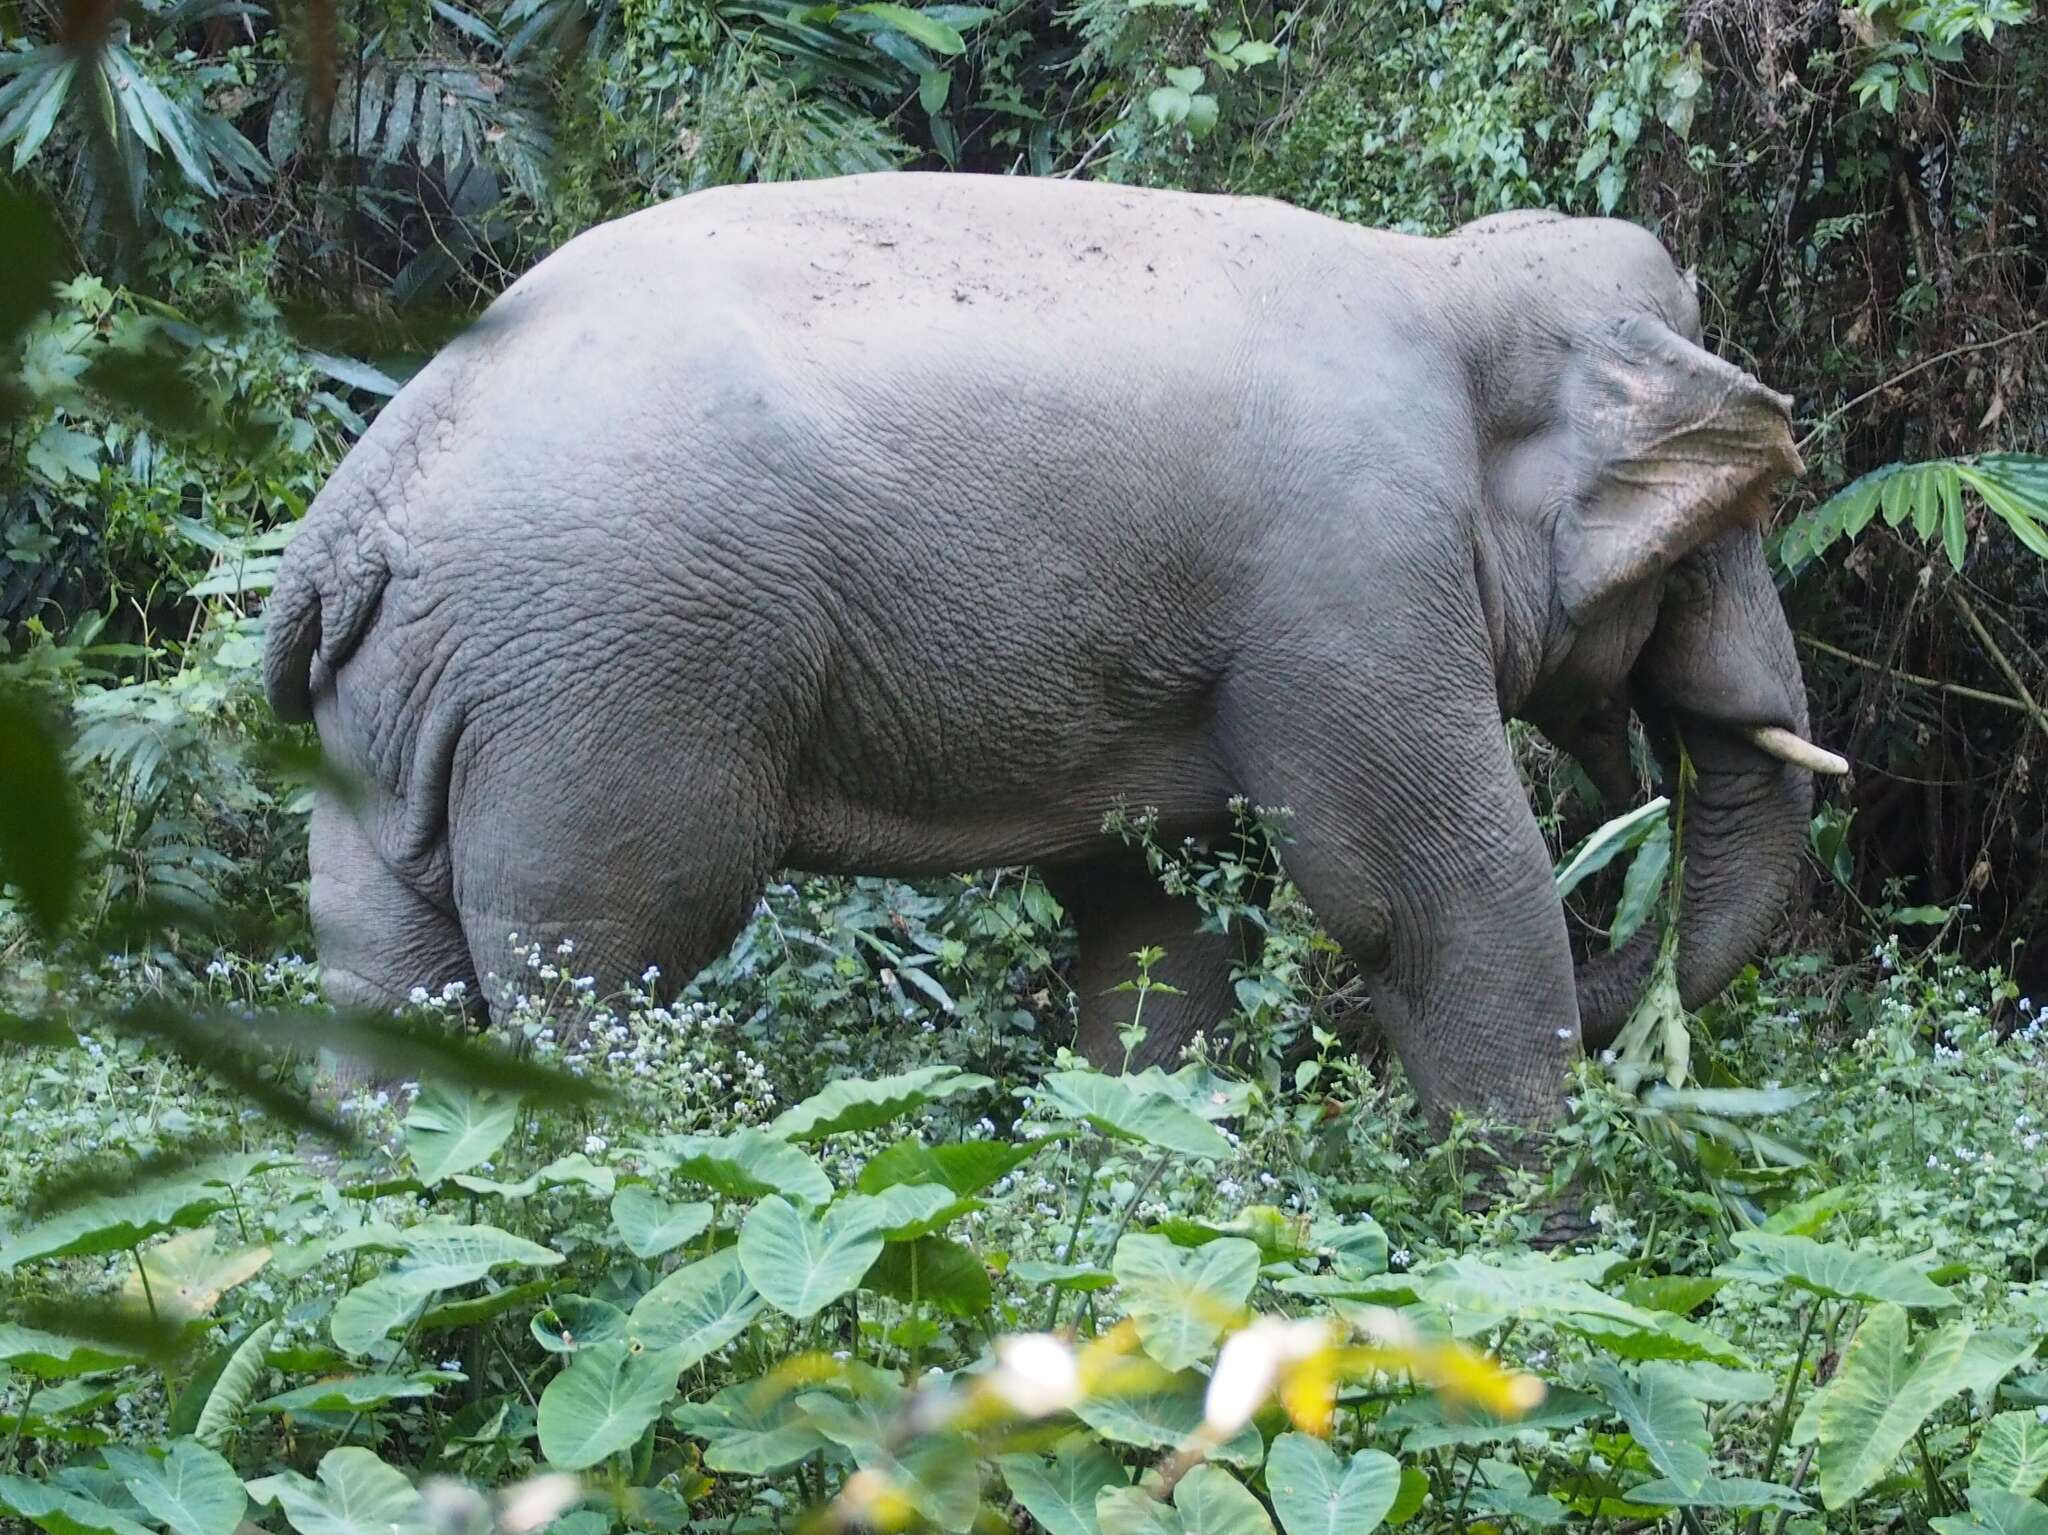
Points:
(328, 586)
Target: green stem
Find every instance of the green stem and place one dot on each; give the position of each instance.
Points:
(21, 1423)
(148, 1294)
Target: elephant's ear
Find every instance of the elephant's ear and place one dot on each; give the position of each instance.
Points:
(1669, 447)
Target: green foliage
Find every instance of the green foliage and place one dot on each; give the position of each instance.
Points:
(2013, 486)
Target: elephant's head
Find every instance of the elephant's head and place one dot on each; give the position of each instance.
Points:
(1633, 467)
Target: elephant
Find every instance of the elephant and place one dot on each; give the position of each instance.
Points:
(910, 523)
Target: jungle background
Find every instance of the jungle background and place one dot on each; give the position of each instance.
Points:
(230, 230)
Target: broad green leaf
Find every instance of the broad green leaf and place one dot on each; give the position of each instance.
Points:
(935, 35)
(186, 1278)
(1118, 1109)
(52, 1356)
(1166, 1420)
(965, 1167)
(450, 1130)
(803, 1262)
(62, 1511)
(1356, 1245)
(234, 1388)
(604, 1401)
(1661, 1335)
(1886, 1388)
(1830, 1269)
(192, 1490)
(903, 1212)
(931, 1271)
(436, 1258)
(937, 1474)
(448, 1315)
(698, 1309)
(1183, 1299)
(854, 1103)
(749, 1429)
(357, 1494)
(109, 1223)
(573, 1168)
(1061, 1495)
(1063, 1276)
(1716, 1492)
(745, 1165)
(1608, 842)
(577, 1322)
(650, 1226)
(2012, 1454)
(353, 1393)
(1129, 1510)
(1995, 1511)
(1213, 1502)
(1669, 1425)
(1314, 1493)
(1207, 1501)
(1480, 1293)
(1278, 1235)
(1430, 1429)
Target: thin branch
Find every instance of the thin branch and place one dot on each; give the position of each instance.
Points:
(1919, 367)
(1978, 694)
(1998, 657)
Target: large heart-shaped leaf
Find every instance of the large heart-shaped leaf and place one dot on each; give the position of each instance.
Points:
(1182, 1300)
(1669, 1425)
(184, 1278)
(604, 1401)
(53, 1356)
(750, 1429)
(349, 1393)
(803, 1262)
(1166, 1420)
(234, 1388)
(436, 1258)
(1430, 1427)
(1316, 1494)
(650, 1226)
(1207, 1501)
(745, 1165)
(855, 1103)
(450, 1130)
(1061, 1494)
(573, 1168)
(1885, 1389)
(576, 1322)
(1995, 1511)
(113, 1222)
(357, 1494)
(1832, 1270)
(62, 1511)
(192, 1490)
(698, 1309)
(965, 1167)
(931, 1271)
(2012, 1454)
(1120, 1111)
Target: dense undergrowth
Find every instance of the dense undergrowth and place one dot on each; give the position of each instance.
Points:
(835, 1245)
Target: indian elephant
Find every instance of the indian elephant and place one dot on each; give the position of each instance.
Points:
(909, 523)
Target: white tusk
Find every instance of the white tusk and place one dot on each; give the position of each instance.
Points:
(1797, 750)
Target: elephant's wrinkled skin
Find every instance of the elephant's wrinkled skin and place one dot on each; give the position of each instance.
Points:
(907, 523)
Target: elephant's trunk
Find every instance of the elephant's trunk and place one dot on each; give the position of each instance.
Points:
(1745, 830)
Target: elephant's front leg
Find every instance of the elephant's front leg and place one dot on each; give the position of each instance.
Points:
(1414, 844)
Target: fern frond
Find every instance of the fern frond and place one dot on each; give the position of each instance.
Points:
(2014, 486)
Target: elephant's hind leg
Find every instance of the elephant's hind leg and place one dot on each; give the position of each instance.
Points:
(378, 936)
(609, 866)
(1118, 907)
